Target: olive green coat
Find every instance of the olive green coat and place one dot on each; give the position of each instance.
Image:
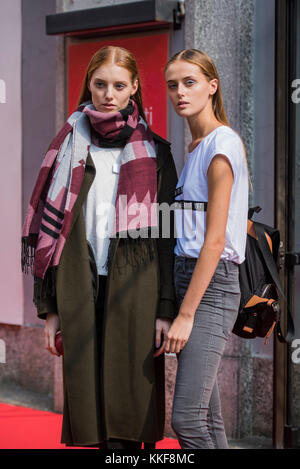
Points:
(113, 388)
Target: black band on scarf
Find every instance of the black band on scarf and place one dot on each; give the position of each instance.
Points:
(54, 210)
(49, 232)
(52, 222)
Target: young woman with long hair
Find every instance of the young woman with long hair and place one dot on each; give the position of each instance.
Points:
(101, 277)
(211, 208)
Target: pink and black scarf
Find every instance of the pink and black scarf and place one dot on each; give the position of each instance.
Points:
(50, 211)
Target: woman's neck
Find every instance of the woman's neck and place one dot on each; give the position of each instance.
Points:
(200, 126)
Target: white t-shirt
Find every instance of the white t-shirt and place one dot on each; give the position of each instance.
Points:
(99, 207)
(192, 192)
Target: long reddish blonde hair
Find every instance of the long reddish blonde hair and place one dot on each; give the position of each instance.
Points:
(121, 57)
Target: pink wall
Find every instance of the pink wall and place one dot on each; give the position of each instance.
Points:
(11, 287)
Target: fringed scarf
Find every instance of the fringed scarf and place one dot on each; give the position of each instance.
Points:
(50, 211)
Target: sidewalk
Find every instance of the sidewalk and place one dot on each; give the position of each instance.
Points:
(29, 422)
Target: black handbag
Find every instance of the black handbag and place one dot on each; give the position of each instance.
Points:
(259, 311)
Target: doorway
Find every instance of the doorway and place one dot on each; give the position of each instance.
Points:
(286, 427)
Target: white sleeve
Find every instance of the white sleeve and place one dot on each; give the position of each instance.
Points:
(230, 146)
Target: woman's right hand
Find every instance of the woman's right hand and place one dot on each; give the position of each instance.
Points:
(51, 327)
(179, 332)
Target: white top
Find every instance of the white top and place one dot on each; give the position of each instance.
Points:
(192, 186)
(99, 207)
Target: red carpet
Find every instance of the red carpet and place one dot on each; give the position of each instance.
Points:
(25, 428)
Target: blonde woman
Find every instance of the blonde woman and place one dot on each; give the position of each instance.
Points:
(211, 207)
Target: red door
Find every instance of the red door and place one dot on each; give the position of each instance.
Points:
(151, 53)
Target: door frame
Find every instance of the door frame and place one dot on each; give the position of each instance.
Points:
(285, 30)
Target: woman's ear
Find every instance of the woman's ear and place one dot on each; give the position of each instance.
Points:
(213, 86)
(134, 87)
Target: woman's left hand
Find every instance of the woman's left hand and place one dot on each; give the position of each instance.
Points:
(162, 327)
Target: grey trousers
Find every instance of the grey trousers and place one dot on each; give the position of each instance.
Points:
(196, 415)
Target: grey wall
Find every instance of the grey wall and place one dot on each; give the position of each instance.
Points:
(264, 126)
(27, 124)
(38, 106)
(224, 30)
(264, 117)
(176, 123)
(11, 288)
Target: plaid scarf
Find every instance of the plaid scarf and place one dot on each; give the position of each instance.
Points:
(49, 215)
